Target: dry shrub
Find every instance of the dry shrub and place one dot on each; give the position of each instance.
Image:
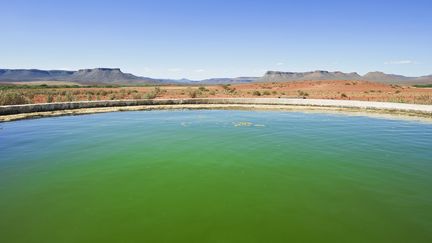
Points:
(256, 93)
(12, 98)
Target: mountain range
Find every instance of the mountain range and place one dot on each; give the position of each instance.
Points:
(276, 76)
(116, 76)
(85, 76)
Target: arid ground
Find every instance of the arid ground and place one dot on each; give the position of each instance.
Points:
(341, 90)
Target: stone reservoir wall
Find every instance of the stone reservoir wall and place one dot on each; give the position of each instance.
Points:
(30, 108)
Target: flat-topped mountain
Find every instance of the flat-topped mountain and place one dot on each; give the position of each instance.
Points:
(277, 76)
(383, 77)
(32, 74)
(102, 75)
(96, 75)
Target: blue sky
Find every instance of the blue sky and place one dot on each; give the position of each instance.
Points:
(201, 39)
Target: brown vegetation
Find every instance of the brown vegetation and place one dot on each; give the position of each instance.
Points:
(352, 90)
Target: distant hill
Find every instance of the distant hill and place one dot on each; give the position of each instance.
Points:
(32, 74)
(116, 76)
(386, 78)
(277, 76)
(84, 76)
(229, 80)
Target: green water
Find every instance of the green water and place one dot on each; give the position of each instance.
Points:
(215, 176)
